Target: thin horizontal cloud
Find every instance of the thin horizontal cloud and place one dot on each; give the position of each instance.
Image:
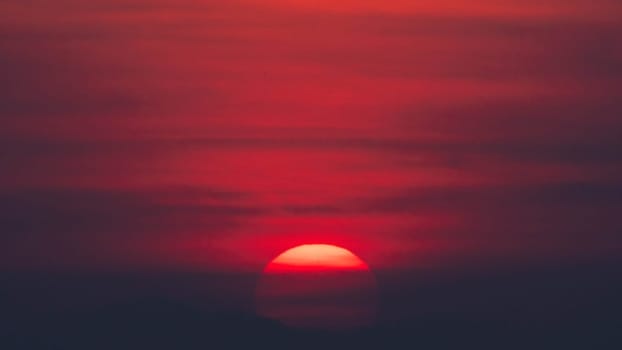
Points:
(596, 151)
(466, 199)
(34, 214)
(48, 228)
(485, 48)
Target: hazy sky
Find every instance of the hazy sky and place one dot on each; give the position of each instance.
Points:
(212, 135)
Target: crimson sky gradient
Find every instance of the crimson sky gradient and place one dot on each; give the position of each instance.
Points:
(212, 135)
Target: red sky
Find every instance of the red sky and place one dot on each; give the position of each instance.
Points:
(213, 135)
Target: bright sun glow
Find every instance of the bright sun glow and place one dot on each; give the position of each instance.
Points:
(316, 256)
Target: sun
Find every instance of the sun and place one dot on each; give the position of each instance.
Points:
(317, 286)
(316, 257)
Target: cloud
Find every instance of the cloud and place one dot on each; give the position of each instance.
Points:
(65, 221)
(543, 219)
(499, 198)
